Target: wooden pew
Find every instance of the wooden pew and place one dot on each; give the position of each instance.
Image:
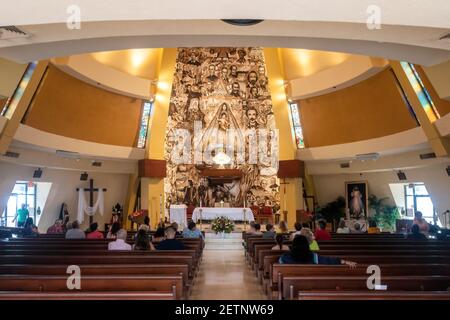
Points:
(292, 285)
(101, 269)
(124, 295)
(279, 271)
(373, 295)
(114, 283)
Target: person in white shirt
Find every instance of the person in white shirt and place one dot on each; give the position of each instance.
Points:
(119, 243)
(342, 228)
(75, 232)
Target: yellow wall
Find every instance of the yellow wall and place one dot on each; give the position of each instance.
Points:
(370, 109)
(69, 107)
(279, 103)
(10, 75)
(151, 188)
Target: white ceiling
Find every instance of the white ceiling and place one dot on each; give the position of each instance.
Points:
(410, 30)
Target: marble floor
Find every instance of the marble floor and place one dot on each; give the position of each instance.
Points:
(224, 274)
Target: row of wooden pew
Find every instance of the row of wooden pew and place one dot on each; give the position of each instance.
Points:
(409, 269)
(37, 268)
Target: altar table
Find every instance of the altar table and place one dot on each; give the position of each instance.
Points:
(235, 214)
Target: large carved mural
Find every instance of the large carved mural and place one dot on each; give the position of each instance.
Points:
(220, 117)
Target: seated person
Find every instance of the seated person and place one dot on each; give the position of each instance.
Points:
(252, 227)
(175, 226)
(300, 253)
(308, 234)
(170, 243)
(257, 231)
(270, 232)
(356, 228)
(75, 232)
(56, 228)
(280, 243)
(191, 231)
(342, 227)
(94, 233)
(421, 222)
(119, 243)
(159, 235)
(142, 242)
(373, 229)
(29, 229)
(282, 226)
(416, 234)
(298, 227)
(115, 227)
(321, 233)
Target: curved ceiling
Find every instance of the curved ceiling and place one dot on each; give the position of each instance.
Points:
(136, 62)
(410, 29)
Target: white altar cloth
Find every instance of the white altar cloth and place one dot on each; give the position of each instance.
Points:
(178, 214)
(235, 214)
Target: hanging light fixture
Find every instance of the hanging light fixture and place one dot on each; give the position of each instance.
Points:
(221, 159)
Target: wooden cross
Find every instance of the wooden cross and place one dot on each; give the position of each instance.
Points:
(91, 191)
(284, 199)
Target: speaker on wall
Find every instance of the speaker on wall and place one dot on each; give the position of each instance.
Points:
(401, 175)
(37, 173)
(84, 176)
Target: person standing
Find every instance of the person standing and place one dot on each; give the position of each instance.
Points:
(22, 216)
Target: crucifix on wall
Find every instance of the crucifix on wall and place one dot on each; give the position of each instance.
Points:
(91, 191)
(285, 211)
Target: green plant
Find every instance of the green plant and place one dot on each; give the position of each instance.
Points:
(385, 215)
(332, 211)
(222, 224)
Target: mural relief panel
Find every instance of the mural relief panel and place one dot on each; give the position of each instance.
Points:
(220, 117)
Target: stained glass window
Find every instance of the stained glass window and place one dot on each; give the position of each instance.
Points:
(143, 132)
(420, 90)
(13, 101)
(296, 125)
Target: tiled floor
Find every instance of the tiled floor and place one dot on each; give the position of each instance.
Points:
(224, 274)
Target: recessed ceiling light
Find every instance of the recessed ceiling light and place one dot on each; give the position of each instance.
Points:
(242, 22)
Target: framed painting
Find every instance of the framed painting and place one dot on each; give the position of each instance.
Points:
(356, 198)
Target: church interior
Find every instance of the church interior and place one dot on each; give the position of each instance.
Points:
(177, 154)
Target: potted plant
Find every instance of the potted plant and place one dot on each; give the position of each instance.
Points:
(222, 225)
(385, 215)
(333, 211)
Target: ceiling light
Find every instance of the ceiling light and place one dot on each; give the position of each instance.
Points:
(242, 22)
(221, 158)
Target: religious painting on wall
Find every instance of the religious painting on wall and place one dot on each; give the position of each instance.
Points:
(356, 195)
(220, 117)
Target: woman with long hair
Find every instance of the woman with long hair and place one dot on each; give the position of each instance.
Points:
(301, 253)
(142, 241)
(280, 243)
(112, 234)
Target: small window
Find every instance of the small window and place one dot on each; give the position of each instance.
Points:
(297, 131)
(420, 90)
(11, 103)
(145, 119)
(417, 198)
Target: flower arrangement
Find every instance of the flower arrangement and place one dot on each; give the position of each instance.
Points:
(222, 224)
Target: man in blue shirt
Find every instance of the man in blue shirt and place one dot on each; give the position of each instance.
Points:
(170, 243)
(191, 231)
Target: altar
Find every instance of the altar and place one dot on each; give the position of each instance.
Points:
(235, 214)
